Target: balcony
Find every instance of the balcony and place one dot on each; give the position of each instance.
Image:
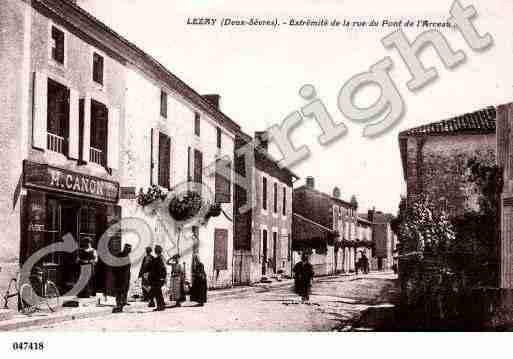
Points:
(56, 143)
(97, 156)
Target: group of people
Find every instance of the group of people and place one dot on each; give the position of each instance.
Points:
(153, 274)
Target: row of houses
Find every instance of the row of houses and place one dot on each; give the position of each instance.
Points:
(88, 119)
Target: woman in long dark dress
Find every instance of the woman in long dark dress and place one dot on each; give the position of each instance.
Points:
(199, 282)
(177, 282)
(303, 275)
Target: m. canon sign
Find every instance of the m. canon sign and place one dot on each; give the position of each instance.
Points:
(42, 176)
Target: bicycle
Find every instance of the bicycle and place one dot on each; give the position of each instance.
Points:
(38, 291)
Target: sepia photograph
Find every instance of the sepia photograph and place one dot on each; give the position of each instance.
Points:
(224, 166)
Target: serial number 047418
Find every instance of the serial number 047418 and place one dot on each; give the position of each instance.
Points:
(28, 346)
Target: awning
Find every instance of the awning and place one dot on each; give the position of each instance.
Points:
(309, 234)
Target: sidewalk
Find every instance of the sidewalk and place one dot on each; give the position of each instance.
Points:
(89, 309)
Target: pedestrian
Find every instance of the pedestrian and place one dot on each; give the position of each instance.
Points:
(365, 263)
(157, 278)
(177, 283)
(303, 274)
(122, 279)
(199, 282)
(144, 274)
(87, 259)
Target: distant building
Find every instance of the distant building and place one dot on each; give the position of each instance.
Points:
(263, 245)
(384, 241)
(326, 226)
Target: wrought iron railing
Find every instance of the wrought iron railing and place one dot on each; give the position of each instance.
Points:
(96, 156)
(56, 143)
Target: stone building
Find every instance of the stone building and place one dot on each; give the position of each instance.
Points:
(327, 226)
(435, 158)
(263, 242)
(384, 241)
(87, 118)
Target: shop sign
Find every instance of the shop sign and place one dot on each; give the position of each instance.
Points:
(43, 176)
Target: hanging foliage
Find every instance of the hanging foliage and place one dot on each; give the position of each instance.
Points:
(152, 194)
(185, 206)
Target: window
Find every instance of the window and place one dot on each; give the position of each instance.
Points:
(197, 124)
(223, 181)
(219, 138)
(264, 193)
(99, 129)
(57, 45)
(164, 160)
(163, 104)
(275, 203)
(97, 68)
(57, 123)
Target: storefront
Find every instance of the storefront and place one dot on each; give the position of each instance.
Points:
(60, 203)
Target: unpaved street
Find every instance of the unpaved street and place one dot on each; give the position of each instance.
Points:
(335, 303)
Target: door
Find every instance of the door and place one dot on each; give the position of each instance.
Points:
(264, 252)
(69, 213)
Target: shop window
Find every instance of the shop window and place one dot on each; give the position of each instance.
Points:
(58, 117)
(88, 222)
(98, 68)
(58, 45)
(163, 104)
(164, 160)
(99, 129)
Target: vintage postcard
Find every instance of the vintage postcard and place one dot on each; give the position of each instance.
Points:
(293, 166)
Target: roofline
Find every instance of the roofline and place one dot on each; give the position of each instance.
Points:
(312, 222)
(248, 139)
(305, 187)
(69, 12)
(363, 220)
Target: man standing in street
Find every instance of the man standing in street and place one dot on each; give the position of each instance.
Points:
(303, 275)
(122, 279)
(157, 278)
(144, 274)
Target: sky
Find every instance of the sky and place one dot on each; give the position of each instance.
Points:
(258, 73)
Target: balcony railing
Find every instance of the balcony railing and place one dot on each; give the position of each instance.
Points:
(56, 143)
(96, 156)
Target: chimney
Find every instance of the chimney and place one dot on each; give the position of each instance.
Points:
(336, 192)
(261, 138)
(310, 182)
(213, 99)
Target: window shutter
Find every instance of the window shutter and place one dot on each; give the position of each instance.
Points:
(223, 184)
(220, 249)
(73, 123)
(113, 138)
(39, 136)
(86, 131)
(198, 166)
(154, 156)
(164, 159)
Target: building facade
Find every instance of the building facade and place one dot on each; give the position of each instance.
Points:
(88, 119)
(63, 98)
(435, 158)
(263, 242)
(327, 226)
